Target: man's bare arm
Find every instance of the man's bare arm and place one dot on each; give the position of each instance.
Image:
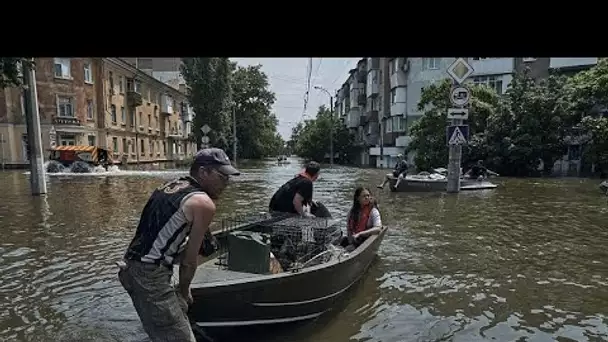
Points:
(199, 209)
(298, 203)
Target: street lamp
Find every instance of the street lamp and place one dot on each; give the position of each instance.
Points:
(331, 129)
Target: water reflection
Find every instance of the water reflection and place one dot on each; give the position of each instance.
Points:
(525, 261)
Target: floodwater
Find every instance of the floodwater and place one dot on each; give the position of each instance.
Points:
(524, 262)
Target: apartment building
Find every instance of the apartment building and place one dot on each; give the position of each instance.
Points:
(98, 101)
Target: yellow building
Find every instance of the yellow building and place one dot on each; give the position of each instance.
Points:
(99, 101)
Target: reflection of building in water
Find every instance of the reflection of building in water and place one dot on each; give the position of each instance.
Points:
(106, 102)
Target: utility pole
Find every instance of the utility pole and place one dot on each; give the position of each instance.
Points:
(457, 133)
(331, 129)
(34, 136)
(234, 133)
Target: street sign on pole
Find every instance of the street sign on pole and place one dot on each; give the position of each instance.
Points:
(457, 135)
(205, 129)
(204, 139)
(460, 70)
(458, 113)
(460, 96)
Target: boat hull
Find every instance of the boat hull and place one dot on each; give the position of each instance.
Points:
(280, 298)
(414, 184)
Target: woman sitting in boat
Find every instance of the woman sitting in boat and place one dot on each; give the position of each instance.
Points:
(363, 219)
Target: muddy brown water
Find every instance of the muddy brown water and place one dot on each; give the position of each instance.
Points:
(524, 262)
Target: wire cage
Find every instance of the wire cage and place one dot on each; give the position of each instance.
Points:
(293, 240)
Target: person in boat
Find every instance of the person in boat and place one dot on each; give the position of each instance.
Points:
(177, 211)
(399, 172)
(297, 192)
(363, 219)
(479, 171)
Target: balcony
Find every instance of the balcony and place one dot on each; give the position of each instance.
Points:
(134, 99)
(361, 99)
(403, 141)
(361, 76)
(572, 63)
(353, 118)
(363, 119)
(398, 108)
(492, 66)
(175, 134)
(398, 79)
(66, 121)
(166, 104)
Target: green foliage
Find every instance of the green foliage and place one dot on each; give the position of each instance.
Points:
(311, 139)
(208, 81)
(514, 133)
(256, 125)
(216, 88)
(10, 71)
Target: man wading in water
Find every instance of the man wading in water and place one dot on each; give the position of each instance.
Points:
(180, 209)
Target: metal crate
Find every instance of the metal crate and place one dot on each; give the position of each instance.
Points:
(294, 240)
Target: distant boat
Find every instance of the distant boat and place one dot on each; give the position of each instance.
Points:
(436, 181)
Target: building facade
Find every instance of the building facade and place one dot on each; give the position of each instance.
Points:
(382, 112)
(105, 102)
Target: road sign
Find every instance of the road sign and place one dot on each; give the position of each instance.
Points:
(460, 70)
(204, 139)
(458, 113)
(457, 135)
(205, 129)
(460, 96)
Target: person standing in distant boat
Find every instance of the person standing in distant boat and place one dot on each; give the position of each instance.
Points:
(296, 193)
(399, 172)
(177, 212)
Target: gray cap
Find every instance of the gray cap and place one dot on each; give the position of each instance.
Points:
(215, 157)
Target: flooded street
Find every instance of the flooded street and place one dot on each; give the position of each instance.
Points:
(527, 261)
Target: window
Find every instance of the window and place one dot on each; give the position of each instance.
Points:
(91, 139)
(393, 95)
(137, 87)
(149, 120)
(164, 147)
(140, 121)
(130, 84)
(63, 68)
(133, 142)
(430, 63)
(125, 146)
(114, 144)
(132, 117)
(90, 109)
(123, 115)
(374, 77)
(141, 146)
(88, 73)
(113, 113)
(389, 125)
(22, 100)
(529, 59)
(494, 82)
(121, 84)
(111, 81)
(151, 147)
(481, 58)
(67, 140)
(380, 78)
(398, 123)
(65, 107)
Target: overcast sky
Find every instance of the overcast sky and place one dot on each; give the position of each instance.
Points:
(287, 77)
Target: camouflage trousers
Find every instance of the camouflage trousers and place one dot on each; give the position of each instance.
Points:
(162, 311)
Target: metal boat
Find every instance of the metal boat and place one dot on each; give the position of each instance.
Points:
(426, 181)
(228, 298)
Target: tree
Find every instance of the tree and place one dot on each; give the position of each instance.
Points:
(530, 128)
(10, 71)
(311, 139)
(256, 125)
(429, 132)
(208, 81)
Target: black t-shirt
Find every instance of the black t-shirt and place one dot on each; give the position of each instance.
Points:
(477, 171)
(282, 200)
(401, 167)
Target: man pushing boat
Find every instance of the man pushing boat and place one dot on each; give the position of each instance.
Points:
(179, 210)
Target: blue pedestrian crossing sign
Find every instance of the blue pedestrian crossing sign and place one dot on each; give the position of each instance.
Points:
(457, 135)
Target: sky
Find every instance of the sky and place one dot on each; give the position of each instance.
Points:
(287, 78)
